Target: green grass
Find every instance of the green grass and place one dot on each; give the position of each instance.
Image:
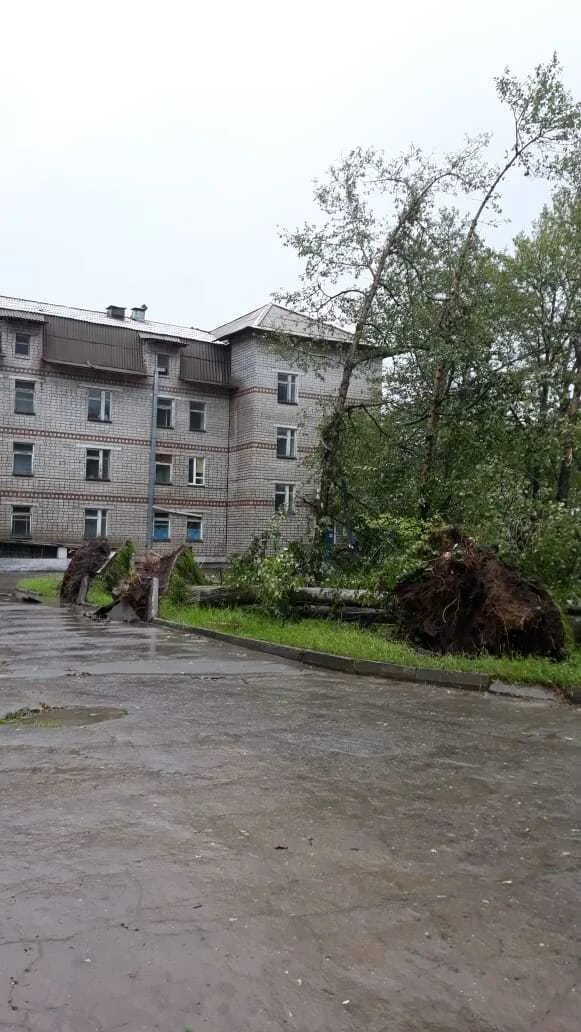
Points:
(348, 640)
(47, 587)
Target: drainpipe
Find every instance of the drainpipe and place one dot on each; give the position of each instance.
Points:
(152, 448)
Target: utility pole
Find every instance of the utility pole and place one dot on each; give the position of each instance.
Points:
(152, 448)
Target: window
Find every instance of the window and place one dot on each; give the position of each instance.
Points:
(286, 443)
(95, 523)
(287, 388)
(284, 498)
(165, 413)
(22, 459)
(194, 529)
(99, 406)
(21, 521)
(197, 471)
(197, 415)
(163, 468)
(24, 397)
(22, 345)
(161, 526)
(97, 464)
(162, 364)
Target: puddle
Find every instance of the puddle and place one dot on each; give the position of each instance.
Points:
(60, 716)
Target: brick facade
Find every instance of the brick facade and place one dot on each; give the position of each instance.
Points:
(238, 444)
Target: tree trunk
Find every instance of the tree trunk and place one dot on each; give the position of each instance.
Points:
(571, 413)
(427, 468)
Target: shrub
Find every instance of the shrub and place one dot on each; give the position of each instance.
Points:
(188, 568)
(119, 568)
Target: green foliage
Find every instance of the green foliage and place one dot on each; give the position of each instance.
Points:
(272, 578)
(119, 568)
(177, 591)
(188, 568)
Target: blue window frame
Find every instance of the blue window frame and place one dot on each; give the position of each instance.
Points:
(161, 526)
(194, 529)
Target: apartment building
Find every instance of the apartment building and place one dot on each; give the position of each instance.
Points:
(112, 424)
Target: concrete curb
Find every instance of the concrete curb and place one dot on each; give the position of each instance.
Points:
(366, 667)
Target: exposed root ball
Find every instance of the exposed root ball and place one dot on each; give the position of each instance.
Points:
(471, 601)
(86, 560)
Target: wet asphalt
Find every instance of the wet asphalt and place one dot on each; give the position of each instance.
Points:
(262, 846)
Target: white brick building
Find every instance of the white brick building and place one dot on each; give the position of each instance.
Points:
(232, 424)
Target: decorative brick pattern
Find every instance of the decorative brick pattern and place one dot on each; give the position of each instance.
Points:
(238, 444)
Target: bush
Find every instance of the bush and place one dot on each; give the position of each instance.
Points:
(177, 592)
(188, 568)
(119, 568)
(273, 579)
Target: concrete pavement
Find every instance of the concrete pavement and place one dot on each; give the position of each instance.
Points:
(261, 846)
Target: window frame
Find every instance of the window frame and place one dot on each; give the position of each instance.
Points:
(103, 392)
(160, 460)
(194, 519)
(18, 448)
(21, 512)
(289, 503)
(21, 354)
(290, 435)
(165, 517)
(103, 458)
(292, 382)
(204, 410)
(165, 370)
(24, 385)
(193, 461)
(171, 424)
(101, 520)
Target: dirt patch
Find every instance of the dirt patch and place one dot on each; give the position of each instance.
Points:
(60, 716)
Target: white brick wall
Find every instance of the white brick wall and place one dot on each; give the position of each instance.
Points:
(239, 445)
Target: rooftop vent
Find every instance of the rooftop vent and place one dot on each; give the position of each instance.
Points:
(115, 312)
(139, 313)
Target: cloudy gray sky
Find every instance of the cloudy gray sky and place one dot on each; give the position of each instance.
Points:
(150, 151)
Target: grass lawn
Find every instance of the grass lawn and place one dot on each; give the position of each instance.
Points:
(47, 586)
(348, 640)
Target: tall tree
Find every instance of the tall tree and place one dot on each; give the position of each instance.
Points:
(363, 263)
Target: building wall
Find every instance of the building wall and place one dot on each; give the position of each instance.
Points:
(256, 414)
(60, 431)
(238, 444)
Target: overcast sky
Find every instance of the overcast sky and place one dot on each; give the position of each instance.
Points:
(150, 151)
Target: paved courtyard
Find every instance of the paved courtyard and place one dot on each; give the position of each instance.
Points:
(261, 846)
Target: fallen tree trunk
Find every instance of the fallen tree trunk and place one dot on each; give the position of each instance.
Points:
(470, 601)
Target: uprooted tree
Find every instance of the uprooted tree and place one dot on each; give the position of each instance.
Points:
(468, 600)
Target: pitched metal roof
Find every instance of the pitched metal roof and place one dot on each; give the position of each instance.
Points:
(22, 307)
(276, 319)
